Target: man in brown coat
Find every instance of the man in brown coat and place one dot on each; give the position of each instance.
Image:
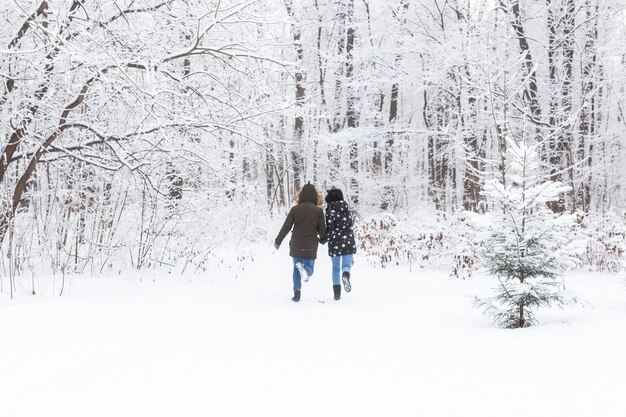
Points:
(307, 220)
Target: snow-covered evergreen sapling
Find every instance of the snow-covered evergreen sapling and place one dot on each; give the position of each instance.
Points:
(526, 245)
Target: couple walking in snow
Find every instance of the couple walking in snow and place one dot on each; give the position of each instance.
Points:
(312, 226)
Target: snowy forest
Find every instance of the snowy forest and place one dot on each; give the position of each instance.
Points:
(150, 151)
(141, 132)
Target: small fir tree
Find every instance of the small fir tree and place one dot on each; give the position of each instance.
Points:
(526, 244)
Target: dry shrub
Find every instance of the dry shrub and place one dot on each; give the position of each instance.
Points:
(605, 238)
(386, 241)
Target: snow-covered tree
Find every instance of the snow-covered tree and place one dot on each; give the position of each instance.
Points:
(526, 243)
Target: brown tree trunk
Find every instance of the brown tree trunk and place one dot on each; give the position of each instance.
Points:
(588, 112)
(339, 117)
(351, 114)
(554, 142)
(567, 141)
(561, 156)
(298, 132)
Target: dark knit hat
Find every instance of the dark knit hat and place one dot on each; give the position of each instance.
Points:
(334, 194)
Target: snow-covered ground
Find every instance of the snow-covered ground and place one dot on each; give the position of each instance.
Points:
(400, 344)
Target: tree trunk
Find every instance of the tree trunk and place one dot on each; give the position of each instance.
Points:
(587, 125)
(351, 114)
(297, 152)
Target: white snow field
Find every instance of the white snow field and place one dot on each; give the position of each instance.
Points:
(400, 344)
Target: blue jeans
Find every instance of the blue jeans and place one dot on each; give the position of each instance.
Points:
(341, 263)
(308, 264)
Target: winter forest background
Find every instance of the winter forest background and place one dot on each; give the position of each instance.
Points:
(149, 133)
(151, 149)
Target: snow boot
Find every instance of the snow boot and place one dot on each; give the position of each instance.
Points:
(337, 291)
(296, 296)
(303, 272)
(345, 277)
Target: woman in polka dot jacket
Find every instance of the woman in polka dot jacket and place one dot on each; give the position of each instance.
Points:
(341, 244)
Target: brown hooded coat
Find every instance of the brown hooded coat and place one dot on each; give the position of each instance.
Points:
(307, 220)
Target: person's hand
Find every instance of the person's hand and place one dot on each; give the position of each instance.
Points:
(276, 245)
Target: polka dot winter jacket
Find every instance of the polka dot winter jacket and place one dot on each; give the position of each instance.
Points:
(339, 229)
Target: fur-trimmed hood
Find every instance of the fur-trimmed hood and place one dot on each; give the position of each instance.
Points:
(319, 199)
